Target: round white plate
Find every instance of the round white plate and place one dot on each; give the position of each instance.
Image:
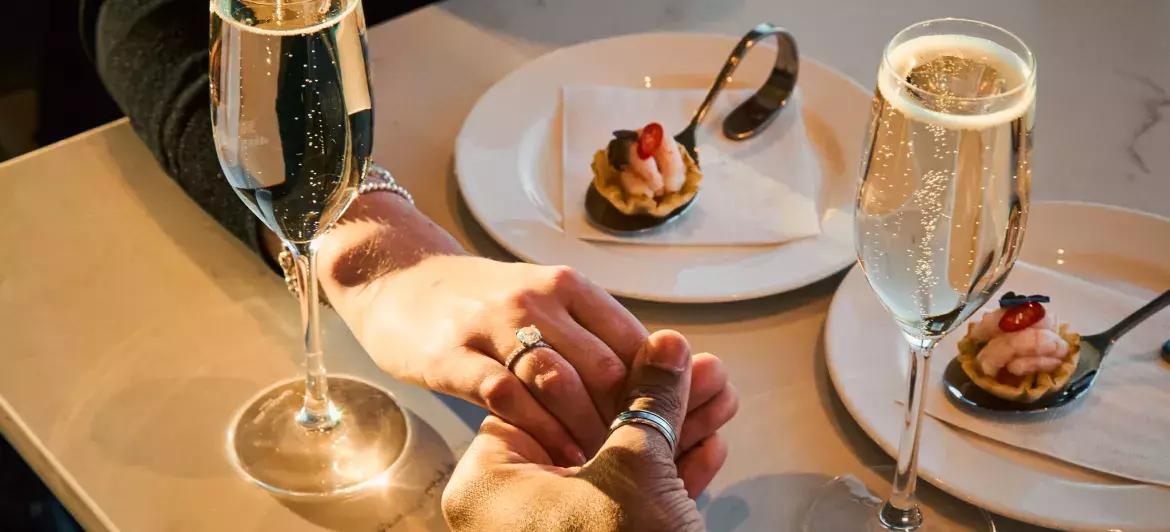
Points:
(1126, 250)
(508, 154)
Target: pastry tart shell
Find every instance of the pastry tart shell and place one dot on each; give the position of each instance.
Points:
(1034, 386)
(607, 181)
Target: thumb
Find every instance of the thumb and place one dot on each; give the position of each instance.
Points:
(635, 467)
(659, 382)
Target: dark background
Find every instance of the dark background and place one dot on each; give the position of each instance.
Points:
(49, 87)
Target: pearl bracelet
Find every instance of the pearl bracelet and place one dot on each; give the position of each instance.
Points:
(379, 178)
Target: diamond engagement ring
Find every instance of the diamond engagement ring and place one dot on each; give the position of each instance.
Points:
(648, 418)
(530, 339)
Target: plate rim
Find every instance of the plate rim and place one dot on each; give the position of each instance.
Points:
(929, 474)
(791, 284)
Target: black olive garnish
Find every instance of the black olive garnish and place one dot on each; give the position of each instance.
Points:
(618, 153)
(1012, 299)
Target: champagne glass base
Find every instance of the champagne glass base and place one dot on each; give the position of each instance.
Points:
(270, 448)
(852, 503)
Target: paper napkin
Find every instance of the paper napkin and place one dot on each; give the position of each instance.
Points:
(1121, 427)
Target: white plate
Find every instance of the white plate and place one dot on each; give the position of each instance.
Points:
(507, 158)
(867, 360)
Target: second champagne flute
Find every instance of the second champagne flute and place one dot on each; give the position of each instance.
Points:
(940, 218)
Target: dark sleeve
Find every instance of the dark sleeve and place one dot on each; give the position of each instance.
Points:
(152, 56)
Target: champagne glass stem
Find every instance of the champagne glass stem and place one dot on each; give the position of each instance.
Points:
(901, 511)
(318, 412)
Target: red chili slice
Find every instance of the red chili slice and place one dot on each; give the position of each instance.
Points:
(1021, 317)
(650, 140)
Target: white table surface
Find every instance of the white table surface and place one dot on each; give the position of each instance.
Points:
(134, 326)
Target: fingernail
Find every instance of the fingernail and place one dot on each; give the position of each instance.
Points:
(669, 352)
(576, 456)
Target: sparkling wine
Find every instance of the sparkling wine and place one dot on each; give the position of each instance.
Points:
(945, 187)
(291, 108)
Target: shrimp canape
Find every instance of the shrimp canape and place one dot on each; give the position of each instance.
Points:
(645, 172)
(1019, 351)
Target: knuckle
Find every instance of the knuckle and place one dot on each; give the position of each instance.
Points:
(565, 278)
(632, 338)
(659, 399)
(610, 372)
(523, 299)
(498, 390)
(551, 376)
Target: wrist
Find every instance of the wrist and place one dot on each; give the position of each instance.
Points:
(380, 235)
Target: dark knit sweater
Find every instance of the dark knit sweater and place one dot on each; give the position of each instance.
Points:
(153, 58)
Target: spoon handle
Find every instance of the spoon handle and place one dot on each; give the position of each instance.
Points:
(1137, 317)
(784, 63)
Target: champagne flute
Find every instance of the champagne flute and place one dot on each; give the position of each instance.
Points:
(292, 115)
(940, 215)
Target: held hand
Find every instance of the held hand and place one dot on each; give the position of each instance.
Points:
(449, 323)
(506, 481)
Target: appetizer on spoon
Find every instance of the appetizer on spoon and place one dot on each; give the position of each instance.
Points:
(644, 180)
(1016, 359)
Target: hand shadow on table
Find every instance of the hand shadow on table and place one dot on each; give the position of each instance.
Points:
(409, 499)
(534, 20)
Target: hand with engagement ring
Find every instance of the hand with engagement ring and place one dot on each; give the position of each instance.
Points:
(632, 484)
(424, 310)
(449, 322)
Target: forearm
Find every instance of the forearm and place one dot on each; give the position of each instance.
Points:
(152, 57)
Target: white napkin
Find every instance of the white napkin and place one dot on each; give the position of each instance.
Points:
(1122, 425)
(761, 191)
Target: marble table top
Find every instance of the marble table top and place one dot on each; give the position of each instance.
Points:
(135, 326)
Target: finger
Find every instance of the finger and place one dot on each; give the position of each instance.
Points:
(601, 314)
(704, 421)
(475, 377)
(500, 443)
(698, 466)
(602, 372)
(659, 382)
(555, 383)
(708, 379)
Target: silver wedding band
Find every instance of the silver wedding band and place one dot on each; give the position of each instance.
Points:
(530, 338)
(648, 418)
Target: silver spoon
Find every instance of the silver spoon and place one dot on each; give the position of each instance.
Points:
(745, 122)
(1094, 349)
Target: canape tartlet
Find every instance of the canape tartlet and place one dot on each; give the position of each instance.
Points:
(1019, 351)
(645, 172)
